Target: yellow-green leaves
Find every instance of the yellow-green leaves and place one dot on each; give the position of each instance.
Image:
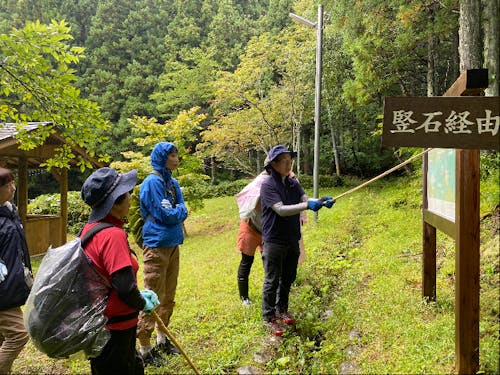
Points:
(37, 79)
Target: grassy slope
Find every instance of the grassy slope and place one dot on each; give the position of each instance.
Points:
(357, 296)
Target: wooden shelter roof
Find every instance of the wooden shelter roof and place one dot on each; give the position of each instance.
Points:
(10, 152)
(41, 231)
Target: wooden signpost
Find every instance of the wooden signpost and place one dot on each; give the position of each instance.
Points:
(466, 121)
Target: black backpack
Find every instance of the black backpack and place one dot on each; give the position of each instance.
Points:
(64, 311)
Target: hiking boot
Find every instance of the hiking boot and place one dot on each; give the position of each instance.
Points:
(168, 348)
(153, 358)
(286, 317)
(275, 326)
(246, 301)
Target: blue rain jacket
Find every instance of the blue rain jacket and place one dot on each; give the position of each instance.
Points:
(162, 227)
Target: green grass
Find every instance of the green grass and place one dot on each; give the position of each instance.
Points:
(357, 296)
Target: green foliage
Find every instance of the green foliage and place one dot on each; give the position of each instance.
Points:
(251, 70)
(182, 132)
(490, 181)
(223, 189)
(253, 112)
(324, 181)
(186, 84)
(125, 50)
(37, 85)
(49, 204)
(229, 31)
(135, 220)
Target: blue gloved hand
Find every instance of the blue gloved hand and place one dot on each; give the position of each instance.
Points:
(314, 204)
(3, 271)
(327, 201)
(152, 301)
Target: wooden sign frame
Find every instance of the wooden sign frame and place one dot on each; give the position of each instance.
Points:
(465, 230)
(465, 227)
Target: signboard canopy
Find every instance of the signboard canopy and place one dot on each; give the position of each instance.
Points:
(442, 122)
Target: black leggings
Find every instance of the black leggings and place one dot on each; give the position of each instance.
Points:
(245, 267)
(119, 355)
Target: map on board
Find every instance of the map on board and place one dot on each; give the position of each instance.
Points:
(441, 183)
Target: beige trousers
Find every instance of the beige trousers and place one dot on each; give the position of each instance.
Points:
(161, 269)
(13, 337)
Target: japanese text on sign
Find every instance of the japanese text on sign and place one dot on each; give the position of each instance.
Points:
(446, 122)
(454, 123)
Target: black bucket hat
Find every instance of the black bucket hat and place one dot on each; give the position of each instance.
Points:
(101, 189)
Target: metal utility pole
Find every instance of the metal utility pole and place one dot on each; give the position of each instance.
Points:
(317, 98)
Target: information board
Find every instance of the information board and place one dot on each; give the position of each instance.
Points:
(441, 183)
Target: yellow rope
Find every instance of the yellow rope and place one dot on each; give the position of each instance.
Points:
(383, 174)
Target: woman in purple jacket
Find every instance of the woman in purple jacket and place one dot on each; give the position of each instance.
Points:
(282, 200)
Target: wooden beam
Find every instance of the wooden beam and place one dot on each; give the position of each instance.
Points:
(444, 225)
(471, 82)
(22, 189)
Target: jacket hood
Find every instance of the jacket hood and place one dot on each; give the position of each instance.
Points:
(6, 212)
(159, 157)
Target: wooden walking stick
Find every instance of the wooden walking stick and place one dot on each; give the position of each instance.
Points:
(383, 174)
(164, 329)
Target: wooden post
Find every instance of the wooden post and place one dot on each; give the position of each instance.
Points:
(467, 257)
(471, 82)
(428, 245)
(22, 189)
(64, 204)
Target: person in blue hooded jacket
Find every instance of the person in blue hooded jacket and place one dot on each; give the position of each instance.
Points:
(163, 209)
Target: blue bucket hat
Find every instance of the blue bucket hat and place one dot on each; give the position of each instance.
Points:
(275, 152)
(101, 189)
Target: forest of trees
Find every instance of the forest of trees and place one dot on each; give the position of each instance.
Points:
(243, 69)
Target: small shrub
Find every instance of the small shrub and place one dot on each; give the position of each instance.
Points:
(226, 188)
(49, 204)
(325, 181)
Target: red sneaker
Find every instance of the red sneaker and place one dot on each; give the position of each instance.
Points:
(287, 317)
(275, 327)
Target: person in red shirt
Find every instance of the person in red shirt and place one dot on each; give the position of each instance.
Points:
(108, 193)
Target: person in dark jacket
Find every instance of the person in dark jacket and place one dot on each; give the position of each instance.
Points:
(282, 200)
(107, 192)
(15, 269)
(164, 211)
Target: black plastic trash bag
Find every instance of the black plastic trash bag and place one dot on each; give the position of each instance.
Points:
(64, 311)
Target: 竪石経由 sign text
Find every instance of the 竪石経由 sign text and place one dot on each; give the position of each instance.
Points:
(442, 122)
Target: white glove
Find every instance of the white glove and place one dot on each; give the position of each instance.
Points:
(3, 271)
(166, 204)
